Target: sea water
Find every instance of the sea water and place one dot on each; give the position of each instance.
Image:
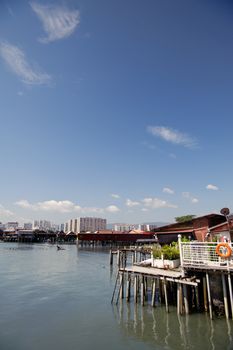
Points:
(61, 300)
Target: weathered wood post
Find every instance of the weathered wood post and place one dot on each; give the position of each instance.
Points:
(165, 294)
(135, 289)
(118, 258)
(225, 296)
(205, 294)
(186, 304)
(122, 285)
(209, 296)
(128, 286)
(153, 293)
(111, 257)
(230, 292)
(142, 290)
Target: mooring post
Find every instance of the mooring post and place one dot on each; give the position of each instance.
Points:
(230, 292)
(225, 296)
(209, 295)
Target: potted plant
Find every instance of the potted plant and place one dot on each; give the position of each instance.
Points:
(167, 256)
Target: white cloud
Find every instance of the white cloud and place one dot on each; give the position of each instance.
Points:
(16, 61)
(131, 203)
(168, 190)
(189, 196)
(58, 22)
(155, 203)
(194, 200)
(212, 187)
(5, 212)
(64, 206)
(173, 136)
(116, 196)
(112, 209)
(144, 209)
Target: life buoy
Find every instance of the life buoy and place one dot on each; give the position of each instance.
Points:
(226, 254)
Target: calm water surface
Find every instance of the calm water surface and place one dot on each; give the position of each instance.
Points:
(61, 300)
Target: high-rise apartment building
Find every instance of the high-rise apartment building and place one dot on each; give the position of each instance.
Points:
(85, 224)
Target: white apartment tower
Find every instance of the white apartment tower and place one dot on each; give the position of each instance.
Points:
(84, 224)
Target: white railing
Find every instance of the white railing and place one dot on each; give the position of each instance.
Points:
(203, 254)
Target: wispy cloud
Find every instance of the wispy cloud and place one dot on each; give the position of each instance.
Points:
(114, 195)
(58, 21)
(5, 212)
(131, 203)
(112, 209)
(168, 190)
(16, 60)
(212, 187)
(189, 196)
(173, 136)
(156, 203)
(64, 206)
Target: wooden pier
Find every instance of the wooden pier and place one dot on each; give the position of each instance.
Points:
(195, 286)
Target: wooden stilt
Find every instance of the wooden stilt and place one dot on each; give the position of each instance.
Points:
(153, 293)
(178, 298)
(128, 286)
(165, 295)
(122, 285)
(186, 304)
(118, 258)
(111, 257)
(197, 298)
(225, 296)
(230, 292)
(205, 294)
(142, 291)
(209, 295)
(135, 289)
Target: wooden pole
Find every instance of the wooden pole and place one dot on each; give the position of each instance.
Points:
(142, 291)
(128, 286)
(186, 304)
(225, 296)
(197, 298)
(165, 294)
(153, 293)
(122, 285)
(209, 295)
(230, 292)
(178, 299)
(135, 289)
(118, 257)
(111, 257)
(205, 294)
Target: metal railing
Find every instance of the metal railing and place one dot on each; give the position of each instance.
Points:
(203, 254)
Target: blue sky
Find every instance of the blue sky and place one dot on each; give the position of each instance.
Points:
(119, 109)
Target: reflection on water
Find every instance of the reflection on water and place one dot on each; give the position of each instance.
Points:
(62, 300)
(172, 331)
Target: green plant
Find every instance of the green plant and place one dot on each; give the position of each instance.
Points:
(169, 252)
(156, 252)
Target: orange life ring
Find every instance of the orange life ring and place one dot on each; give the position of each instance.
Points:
(228, 252)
